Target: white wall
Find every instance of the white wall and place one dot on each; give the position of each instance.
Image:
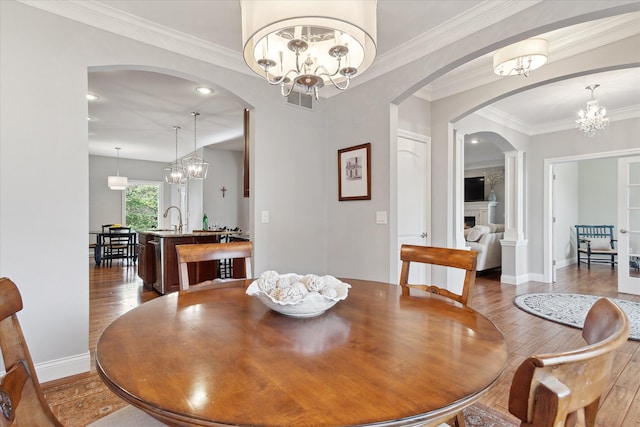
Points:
(414, 115)
(584, 192)
(43, 75)
(598, 198)
(620, 136)
(225, 170)
(357, 246)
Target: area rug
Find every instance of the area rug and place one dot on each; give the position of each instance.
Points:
(81, 400)
(571, 309)
(479, 415)
(84, 400)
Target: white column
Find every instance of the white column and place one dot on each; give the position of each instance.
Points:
(514, 245)
(458, 185)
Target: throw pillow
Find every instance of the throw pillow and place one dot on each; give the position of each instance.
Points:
(467, 231)
(477, 232)
(600, 244)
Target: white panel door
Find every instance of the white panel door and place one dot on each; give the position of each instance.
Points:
(629, 225)
(413, 216)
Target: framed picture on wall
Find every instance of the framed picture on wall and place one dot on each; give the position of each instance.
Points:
(354, 173)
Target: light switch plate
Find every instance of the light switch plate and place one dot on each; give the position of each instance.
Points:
(381, 217)
(265, 217)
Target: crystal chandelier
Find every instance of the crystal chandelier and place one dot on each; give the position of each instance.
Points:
(520, 58)
(117, 182)
(593, 119)
(308, 44)
(194, 166)
(174, 173)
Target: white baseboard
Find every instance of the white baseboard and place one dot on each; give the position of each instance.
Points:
(514, 280)
(60, 368)
(565, 262)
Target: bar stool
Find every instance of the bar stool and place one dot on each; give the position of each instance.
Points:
(225, 269)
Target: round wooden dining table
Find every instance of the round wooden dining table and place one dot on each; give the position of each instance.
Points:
(216, 356)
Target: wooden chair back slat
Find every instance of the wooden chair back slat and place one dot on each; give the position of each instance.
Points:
(212, 252)
(565, 388)
(447, 257)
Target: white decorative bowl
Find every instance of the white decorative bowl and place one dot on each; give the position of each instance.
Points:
(309, 305)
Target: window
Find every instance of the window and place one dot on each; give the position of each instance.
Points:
(142, 204)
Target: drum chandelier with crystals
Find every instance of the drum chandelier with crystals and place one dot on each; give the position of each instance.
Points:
(594, 118)
(308, 44)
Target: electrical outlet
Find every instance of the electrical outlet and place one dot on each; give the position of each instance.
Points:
(265, 217)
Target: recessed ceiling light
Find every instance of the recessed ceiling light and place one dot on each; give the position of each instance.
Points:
(474, 141)
(204, 90)
(92, 97)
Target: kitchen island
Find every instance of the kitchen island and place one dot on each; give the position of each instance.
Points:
(158, 260)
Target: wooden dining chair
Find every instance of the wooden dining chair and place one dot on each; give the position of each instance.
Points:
(21, 399)
(213, 252)
(564, 389)
(446, 257)
(118, 244)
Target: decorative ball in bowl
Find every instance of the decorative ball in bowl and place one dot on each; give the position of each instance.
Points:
(298, 295)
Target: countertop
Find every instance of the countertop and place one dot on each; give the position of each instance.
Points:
(172, 233)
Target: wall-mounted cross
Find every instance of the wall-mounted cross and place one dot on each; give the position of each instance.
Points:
(224, 190)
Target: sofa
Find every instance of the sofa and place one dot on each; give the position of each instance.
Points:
(485, 239)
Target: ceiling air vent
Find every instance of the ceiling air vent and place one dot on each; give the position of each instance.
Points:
(300, 100)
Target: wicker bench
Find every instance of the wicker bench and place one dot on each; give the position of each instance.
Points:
(595, 244)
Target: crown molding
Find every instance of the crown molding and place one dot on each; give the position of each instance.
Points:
(473, 20)
(567, 43)
(464, 78)
(502, 118)
(115, 21)
(570, 123)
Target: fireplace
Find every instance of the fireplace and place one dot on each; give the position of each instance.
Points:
(469, 221)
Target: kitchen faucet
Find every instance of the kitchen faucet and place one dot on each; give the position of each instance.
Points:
(166, 212)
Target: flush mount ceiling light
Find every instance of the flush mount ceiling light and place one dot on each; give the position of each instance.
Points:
(309, 43)
(593, 119)
(520, 58)
(174, 173)
(194, 166)
(117, 182)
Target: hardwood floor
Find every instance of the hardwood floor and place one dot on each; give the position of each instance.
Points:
(115, 290)
(527, 335)
(112, 292)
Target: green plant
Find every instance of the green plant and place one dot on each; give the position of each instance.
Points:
(142, 206)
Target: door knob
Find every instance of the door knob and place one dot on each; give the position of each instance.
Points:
(623, 231)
